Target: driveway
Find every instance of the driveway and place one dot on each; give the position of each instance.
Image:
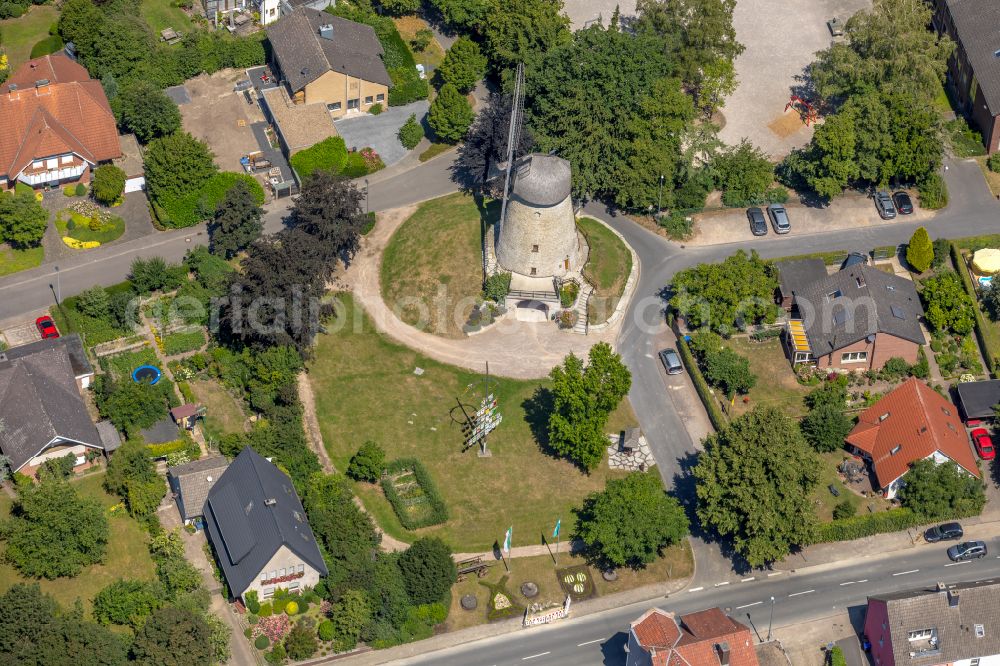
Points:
(781, 39)
(380, 132)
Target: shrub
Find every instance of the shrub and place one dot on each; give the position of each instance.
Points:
(367, 464)
(920, 250)
(428, 570)
(81, 189)
(329, 154)
(701, 386)
(844, 509)
(375, 109)
(837, 657)
(933, 192)
(438, 510)
(411, 132)
(261, 642)
(744, 173)
(677, 224)
(325, 630)
(942, 248)
(252, 619)
(253, 605)
(496, 287)
(994, 163)
(264, 609)
(291, 608)
(277, 655)
(300, 643)
(776, 194)
(109, 184)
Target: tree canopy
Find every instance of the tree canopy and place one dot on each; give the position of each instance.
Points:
(22, 219)
(947, 306)
(920, 250)
(132, 476)
(177, 164)
(368, 463)
(237, 222)
(173, 636)
(726, 296)
(826, 425)
(941, 491)
(127, 602)
(519, 30)
(753, 482)
(450, 114)
(485, 143)
(147, 112)
(463, 66)
(428, 570)
(630, 521)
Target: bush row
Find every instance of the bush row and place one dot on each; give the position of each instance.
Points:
(870, 524)
(166, 448)
(439, 511)
(192, 208)
(991, 353)
(715, 414)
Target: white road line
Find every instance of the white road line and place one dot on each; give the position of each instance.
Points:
(696, 589)
(747, 580)
(795, 594)
(756, 603)
(955, 564)
(722, 583)
(850, 582)
(540, 654)
(775, 573)
(590, 642)
(903, 573)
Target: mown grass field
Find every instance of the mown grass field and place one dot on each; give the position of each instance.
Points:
(20, 34)
(366, 388)
(12, 261)
(776, 384)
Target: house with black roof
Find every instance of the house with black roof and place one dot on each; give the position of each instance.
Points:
(855, 319)
(259, 530)
(324, 59)
(42, 411)
(974, 67)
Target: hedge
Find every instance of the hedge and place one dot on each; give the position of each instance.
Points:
(439, 511)
(166, 448)
(991, 353)
(47, 46)
(192, 208)
(329, 154)
(715, 414)
(865, 525)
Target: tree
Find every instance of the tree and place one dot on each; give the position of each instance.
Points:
(22, 219)
(422, 39)
(630, 521)
(939, 491)
(726, 296)
(519, 30)
(450, 114)
(843, 510)
(486, 143)
(349, 617)
(94, 302)
(753, 482)
(399, 8)
(920, 250)
(428, 570)
(825, 427)
(148, 275)
(463, 66)
(990, 300)
(744, 174)
(329, 209)
(127, 602)
(58, 468)
(109, 184)
(300, 643)
(173, 636)
(729, 371)
(367, 464)
(177, 164)
(463, 15)
(583, 398)
(38, 633)
(54, 532)
(348, 536)
(237, 222)
(132, 476)
(129, 405)
(947, 306)
(411, 132)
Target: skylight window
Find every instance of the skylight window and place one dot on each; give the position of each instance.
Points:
(840, 316)
(897, 312)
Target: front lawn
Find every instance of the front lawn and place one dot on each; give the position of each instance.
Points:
(85, 230)
(127, 554)
(432, 267)
(607, 270)
(366, 389)
(776, 384)
(12, 261)
(825, 501)
(21, 34)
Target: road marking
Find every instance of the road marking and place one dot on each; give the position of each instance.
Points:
(852, 582)
(540, 654)
(721, 584)
(955, 564)
(775, 573)
(903, 573)
(747, 580)
(756, 603)
(696, 589)
(599, 640)
(798, 593)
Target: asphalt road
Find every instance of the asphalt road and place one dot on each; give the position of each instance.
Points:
(798, 597)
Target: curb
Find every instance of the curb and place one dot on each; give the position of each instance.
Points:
(630, 284)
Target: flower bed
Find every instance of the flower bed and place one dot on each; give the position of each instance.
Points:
(183, 341)
(84, 225)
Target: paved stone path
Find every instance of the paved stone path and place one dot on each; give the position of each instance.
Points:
(640, 460)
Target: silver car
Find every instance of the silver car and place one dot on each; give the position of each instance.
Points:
(671, 362)
(883, 202)
(779, 219)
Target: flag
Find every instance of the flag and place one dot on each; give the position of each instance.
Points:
(506, 540)
(555, 532)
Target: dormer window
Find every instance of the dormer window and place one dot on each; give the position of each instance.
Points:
(896, 449)
(860, 281)
(883, 417)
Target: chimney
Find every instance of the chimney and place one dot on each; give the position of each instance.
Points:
(326, 31)
(722, 650)
(952, 599)
(270, 501)
(941, 587)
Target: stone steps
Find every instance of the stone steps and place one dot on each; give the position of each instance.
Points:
(580, 308)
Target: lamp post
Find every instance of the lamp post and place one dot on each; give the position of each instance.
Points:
(366, 197)
(58, 286)
(770, 621)
(659, 198)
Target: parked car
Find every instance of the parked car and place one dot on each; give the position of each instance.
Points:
(903, 204)
(984, 445)
(970, 550)
(944, 532)
(671, 361)
(46, 327)
(883, 203)
(758, 223)
(779, 219)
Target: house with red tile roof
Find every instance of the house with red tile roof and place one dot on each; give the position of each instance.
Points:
(705, 638)
(57, 124)
(910, 423)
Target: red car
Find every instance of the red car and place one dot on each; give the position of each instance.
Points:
(46, 327)
(984, 445)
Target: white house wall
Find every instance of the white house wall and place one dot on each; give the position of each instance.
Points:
(285, 559)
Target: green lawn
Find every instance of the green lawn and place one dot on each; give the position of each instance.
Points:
(122, 365)
(776, 384)
(223, 414)
(108, 231)
(366, 388)
(21, 34)
(607, 270)
(824, 501)
(432, 268)
(127, 554)
(12, 261)
(434, 150)
(160, 14)
(408, 26)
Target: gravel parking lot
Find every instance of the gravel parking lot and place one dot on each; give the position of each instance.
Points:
(380, 132)
(781, 38)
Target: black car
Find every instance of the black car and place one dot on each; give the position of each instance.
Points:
(903, 204)
(945, 532)
(967, 551)
(758, 223)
